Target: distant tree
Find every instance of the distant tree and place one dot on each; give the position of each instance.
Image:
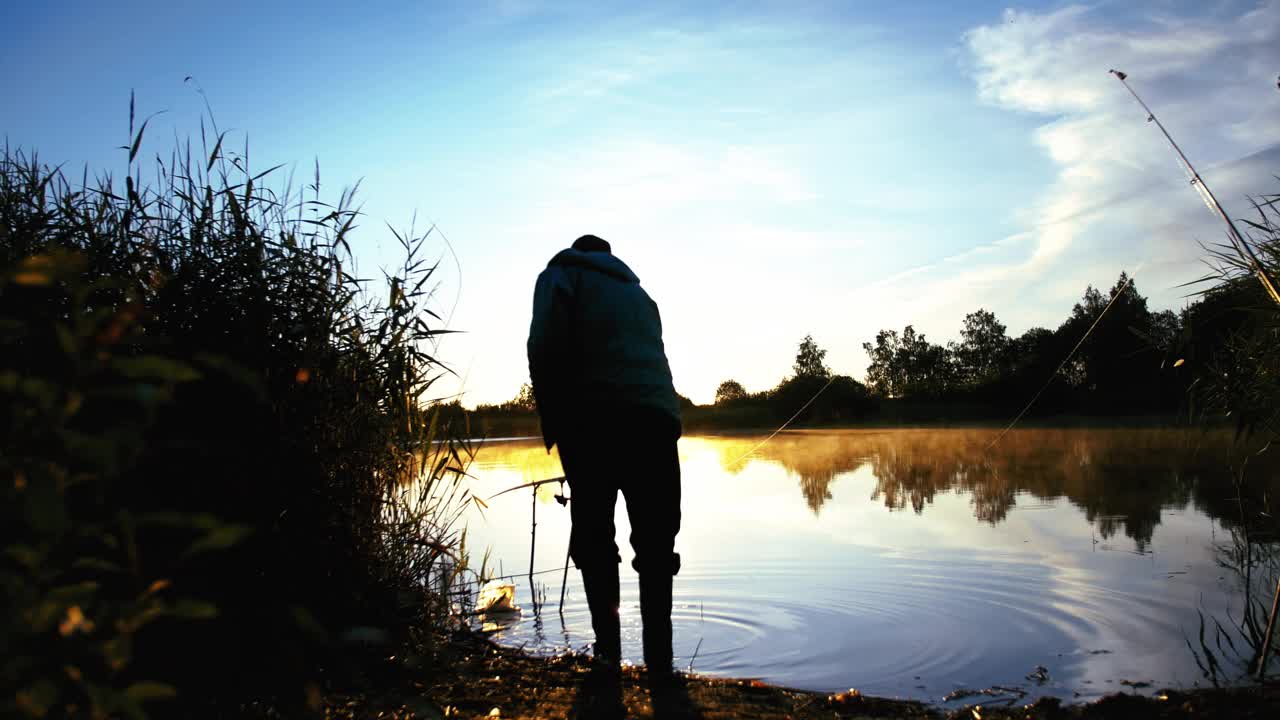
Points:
(809, 359)
(728, 391)
(983, 352)
(522, 403)
(524, 399)
(908, 364)
(1116, 362)
(885, 374)
(1166, 328)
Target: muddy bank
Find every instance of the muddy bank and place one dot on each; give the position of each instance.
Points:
(470, 677)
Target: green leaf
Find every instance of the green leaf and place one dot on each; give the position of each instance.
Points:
(306, 621)
(45, 510)
(233, 371)
(137, 140)
(37, 699)
(213, 156)
(366, 635)
(154, 367)
(65, 339)
(78, 594)
(93, 563)
(219, 539)
(118, 651)
(102, 452)
(24, 555)
(202, 521)
(142, 692)
(194, 610)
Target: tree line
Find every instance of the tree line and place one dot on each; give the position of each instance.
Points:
(1110, 356)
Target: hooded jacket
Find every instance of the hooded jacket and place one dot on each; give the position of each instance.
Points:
(595, 344)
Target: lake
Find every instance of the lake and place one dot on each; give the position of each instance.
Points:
(920, 563)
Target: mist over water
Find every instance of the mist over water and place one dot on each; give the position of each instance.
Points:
(914, 563)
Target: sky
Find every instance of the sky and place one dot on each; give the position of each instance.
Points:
(768, 170)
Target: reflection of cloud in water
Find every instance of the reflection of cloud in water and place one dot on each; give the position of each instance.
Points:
(1120, 478)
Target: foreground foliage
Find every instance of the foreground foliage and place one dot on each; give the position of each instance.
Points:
(219, 479)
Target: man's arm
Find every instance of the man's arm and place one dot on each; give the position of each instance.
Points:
(548, 349)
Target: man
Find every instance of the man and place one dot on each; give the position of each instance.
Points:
(604, 393)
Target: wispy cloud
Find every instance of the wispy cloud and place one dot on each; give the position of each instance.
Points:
(1117, 200)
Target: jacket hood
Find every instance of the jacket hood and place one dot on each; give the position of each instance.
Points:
(599, 261)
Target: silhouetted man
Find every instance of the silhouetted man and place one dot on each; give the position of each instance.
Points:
(604, 393)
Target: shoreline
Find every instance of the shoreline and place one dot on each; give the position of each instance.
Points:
(1066, 422)
(470, 676)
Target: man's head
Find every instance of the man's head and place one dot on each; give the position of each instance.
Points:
(591, 243)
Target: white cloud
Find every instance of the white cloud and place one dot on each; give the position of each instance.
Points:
(1118, 200)
(1119, 195)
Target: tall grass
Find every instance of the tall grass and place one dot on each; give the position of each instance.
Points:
(1239, 320)
(220, 476)
(1245, 375)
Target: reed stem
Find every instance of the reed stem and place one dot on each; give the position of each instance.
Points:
(1271, 625)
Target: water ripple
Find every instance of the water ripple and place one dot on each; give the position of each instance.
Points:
(895, 623)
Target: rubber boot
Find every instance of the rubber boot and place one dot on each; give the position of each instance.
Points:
(655, 612)
(670, 695)
(602, 690)
(601, 585)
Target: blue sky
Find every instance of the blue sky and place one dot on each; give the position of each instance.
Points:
(768, 170)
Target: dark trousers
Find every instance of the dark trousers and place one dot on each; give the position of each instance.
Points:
(632, 452)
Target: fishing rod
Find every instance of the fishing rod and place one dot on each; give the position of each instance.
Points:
(534, 484)
(785, 424)
(561, 478)
(1237, 239)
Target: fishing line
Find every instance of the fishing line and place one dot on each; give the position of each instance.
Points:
(1065, 360)
(513, 576)
(457, 264)
(788, 422)
(1206, 195)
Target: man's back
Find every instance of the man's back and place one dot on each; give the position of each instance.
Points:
(596, 342)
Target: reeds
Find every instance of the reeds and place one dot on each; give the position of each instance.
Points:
(217, 432)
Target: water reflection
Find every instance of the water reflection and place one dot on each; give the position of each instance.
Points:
(917, 562)
(1228, 644)
(1121, 479)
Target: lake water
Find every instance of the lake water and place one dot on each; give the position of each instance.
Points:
(915, 563)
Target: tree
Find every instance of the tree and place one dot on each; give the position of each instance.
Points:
(728, 391)
(810, 398)
(1115, 363)
(908, 364)
(809, 360)
(1166, 329)
(524, 399)
(885, 373)
(983, 353)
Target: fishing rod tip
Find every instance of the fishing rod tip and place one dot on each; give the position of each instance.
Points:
(1119, 74)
